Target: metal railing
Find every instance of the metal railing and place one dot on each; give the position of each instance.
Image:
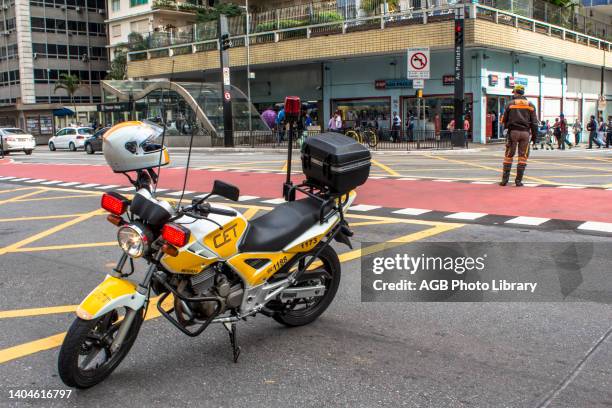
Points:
(331, 17)
(386, 139)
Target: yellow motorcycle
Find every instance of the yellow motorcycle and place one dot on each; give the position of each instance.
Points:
(208, 264)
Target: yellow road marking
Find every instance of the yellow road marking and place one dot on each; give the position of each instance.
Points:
(573, 166)
(37, 311)
(285, 165)
(55, 198)
(67, 246)
(48, 232)
(42, 217)
(47, 343)
(11, 190)
(385, 168)
(539, 180)
(250, 213)
(10, 200)
(364, 223)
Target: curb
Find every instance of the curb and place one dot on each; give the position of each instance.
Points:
(230, 150)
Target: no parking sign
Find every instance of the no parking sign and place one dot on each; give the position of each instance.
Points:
(418, 63)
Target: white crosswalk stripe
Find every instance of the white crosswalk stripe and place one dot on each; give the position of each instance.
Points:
(247, 198)
(535, 221)
(21, 179)
(572, 187)
(178, 193)
(36, 180)
(411, 211)
(202, 195)
(47, 183)
(465, 216)
(71, 183)
(444, 181)
(6, 177)
(596, 226)
(108, 187)
(88, 185)
(364, 207)
(127, 189)
(274, 201)
(482, 182)
(407, 179)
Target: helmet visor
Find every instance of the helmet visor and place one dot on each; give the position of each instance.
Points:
(153, 143)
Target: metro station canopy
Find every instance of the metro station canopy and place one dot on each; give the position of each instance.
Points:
(185, 101)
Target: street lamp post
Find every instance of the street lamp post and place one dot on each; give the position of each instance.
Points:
(248, 50)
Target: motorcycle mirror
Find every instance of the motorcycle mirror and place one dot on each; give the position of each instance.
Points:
(226, 190)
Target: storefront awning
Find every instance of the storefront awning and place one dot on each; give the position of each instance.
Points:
(63, 112)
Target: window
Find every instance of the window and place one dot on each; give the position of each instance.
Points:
(116, 30)
(71, 131)
(116, 5)
(364, 111)
(140, 26)
(134, 3)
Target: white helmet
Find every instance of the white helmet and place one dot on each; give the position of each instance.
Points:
(134, 145)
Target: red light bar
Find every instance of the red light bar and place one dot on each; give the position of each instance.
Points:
(114, 203)
(175, 235)
(293, 106)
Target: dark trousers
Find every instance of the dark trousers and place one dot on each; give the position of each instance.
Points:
(593, 138)
(608, 139)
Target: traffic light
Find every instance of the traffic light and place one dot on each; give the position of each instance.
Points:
(226, 43)
(419, 93)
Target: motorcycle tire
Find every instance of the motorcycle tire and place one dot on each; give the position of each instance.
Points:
(68, 361)
(331, 265)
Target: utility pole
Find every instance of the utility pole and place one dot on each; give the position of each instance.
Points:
(459, 66)
(224, 45)
(248, 50)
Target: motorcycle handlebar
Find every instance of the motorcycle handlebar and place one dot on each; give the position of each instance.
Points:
(208, 209)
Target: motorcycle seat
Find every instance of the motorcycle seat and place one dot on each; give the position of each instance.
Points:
(272, 231)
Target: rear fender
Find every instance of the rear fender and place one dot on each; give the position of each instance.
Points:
(111, 294)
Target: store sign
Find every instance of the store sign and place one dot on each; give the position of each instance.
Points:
(493, 80)
(511, 81)
(393, 84)
(448, 80)
(418, 83)
(114, 107)
(418, 63)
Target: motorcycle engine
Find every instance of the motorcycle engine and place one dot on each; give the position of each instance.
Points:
(212, 282)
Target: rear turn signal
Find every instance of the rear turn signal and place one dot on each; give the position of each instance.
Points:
(114, 203)
(175, 235)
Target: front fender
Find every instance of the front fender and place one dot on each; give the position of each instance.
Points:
(111, 294)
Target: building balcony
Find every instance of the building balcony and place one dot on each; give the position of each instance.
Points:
(320, 34)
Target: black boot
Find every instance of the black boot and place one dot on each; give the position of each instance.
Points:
(520, 171)
(505, 175)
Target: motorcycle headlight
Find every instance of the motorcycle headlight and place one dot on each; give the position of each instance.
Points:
(132, 240)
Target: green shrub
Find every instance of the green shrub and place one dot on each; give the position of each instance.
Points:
(272, 25)
(326, 17)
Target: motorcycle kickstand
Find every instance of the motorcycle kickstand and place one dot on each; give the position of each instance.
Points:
(231, 330)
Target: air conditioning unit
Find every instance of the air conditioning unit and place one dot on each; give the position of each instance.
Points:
(85, 58)
(6, 7)
(62, 7)
(101, 11)
(78, 9)
(35, 55)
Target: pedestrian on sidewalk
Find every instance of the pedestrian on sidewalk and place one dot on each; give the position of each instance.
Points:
(609, 132)
(577, 127)
(396, 127)
(564, 132)
(521, 121)
(592, 129)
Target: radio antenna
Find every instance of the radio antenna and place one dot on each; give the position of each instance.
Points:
(163, 120)
(192, 127)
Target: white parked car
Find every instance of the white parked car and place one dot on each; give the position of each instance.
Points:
(71, 138)
(17, 140)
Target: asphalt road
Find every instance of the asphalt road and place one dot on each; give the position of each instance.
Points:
(578, 166)
(356, 355)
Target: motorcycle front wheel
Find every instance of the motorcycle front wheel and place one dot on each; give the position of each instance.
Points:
(85, 358)
(324, 270)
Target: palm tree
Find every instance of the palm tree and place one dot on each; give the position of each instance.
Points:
(70, 83)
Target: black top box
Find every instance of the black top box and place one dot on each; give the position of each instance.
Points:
(335, 161)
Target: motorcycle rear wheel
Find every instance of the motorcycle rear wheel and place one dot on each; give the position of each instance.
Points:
(329, 268)
(94, 336)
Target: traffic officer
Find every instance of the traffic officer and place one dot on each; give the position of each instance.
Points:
(519, 119)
